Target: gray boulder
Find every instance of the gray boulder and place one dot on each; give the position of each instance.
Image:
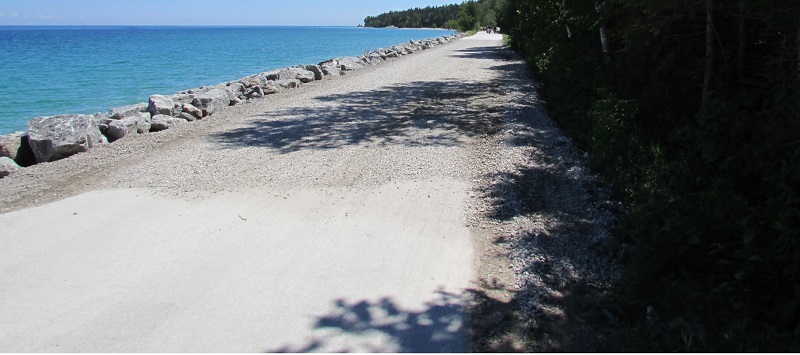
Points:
(7, 167)
(331, 69)
(58, 137)
(186, 116)
(271, 75)
(119, 113)
(236, 88)
(192, 110)
(129, 125)
(212, 101)
(351, 63)
(251, 82)
(301, 74)
(288, 84)
(316, 69)
(161, 105)
(163, 122)
(255, 93)
(10, 143)
(271, 88)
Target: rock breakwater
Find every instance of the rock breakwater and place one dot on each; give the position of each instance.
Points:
(57, 137)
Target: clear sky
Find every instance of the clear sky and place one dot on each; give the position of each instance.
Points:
(201, 12)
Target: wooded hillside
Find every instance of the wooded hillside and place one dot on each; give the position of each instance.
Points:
(430, 17)
(690, 109)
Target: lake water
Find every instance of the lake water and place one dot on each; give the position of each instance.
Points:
(55, 70)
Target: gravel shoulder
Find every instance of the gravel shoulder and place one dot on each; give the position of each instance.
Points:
(371, 212)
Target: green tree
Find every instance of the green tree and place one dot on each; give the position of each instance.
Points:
(691, 109)
(468, 16)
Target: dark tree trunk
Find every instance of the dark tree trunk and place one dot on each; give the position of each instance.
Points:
(709, 49)
(603, 33)
(742, 42)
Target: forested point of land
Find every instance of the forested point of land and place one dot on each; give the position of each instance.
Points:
(690, 111)
(429, 17)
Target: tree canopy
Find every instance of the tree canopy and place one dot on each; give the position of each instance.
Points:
(691, 110)
(430, 17)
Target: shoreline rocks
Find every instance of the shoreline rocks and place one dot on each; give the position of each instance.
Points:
(57, 137)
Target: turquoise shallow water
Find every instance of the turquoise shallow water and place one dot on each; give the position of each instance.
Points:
(54, 70)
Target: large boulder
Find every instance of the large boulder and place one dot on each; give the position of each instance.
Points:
(252, 81)
(119, 113)
(161, 105)
(192, 110)
(351, 63)
(271, 88)
(301, 74)
(129, 125)
(331, 68)
(163, 122)
(10, 143)
(288, 84)
(270, 75)
(7, 166)
(236, 88)
(58, 137)
(212, 101)
(316, 69)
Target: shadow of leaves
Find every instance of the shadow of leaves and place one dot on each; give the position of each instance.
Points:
(414, 114)
(439, 327)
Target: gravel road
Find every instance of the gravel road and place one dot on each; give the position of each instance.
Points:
(329, 218)
(359, 213)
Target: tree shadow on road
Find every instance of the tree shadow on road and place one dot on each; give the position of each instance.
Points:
(439, 327)
(415, 114)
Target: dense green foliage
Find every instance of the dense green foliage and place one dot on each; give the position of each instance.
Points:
(470, 15)
(690, 109)
(430, 17)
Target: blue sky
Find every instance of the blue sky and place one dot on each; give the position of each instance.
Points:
(200, 12)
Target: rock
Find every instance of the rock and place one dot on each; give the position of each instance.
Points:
(350, 63)
(118, 129)
(288, 84)
(7, 166)
(192, 110)
(271, 75)
(271, 88)
(188, 117)
(163, 122)
(212, 101)
(161, 105)
(58, 137)
(332, 70)
(251, 82)
(256, 92)
(303, 75)
(316, 69)
(119, 113)
(235, 101)
(10, 143)
(236, 88)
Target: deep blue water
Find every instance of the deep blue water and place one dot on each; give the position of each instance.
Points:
(55, 70)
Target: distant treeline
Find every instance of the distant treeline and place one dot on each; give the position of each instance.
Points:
(431, 17)
(470, 15)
